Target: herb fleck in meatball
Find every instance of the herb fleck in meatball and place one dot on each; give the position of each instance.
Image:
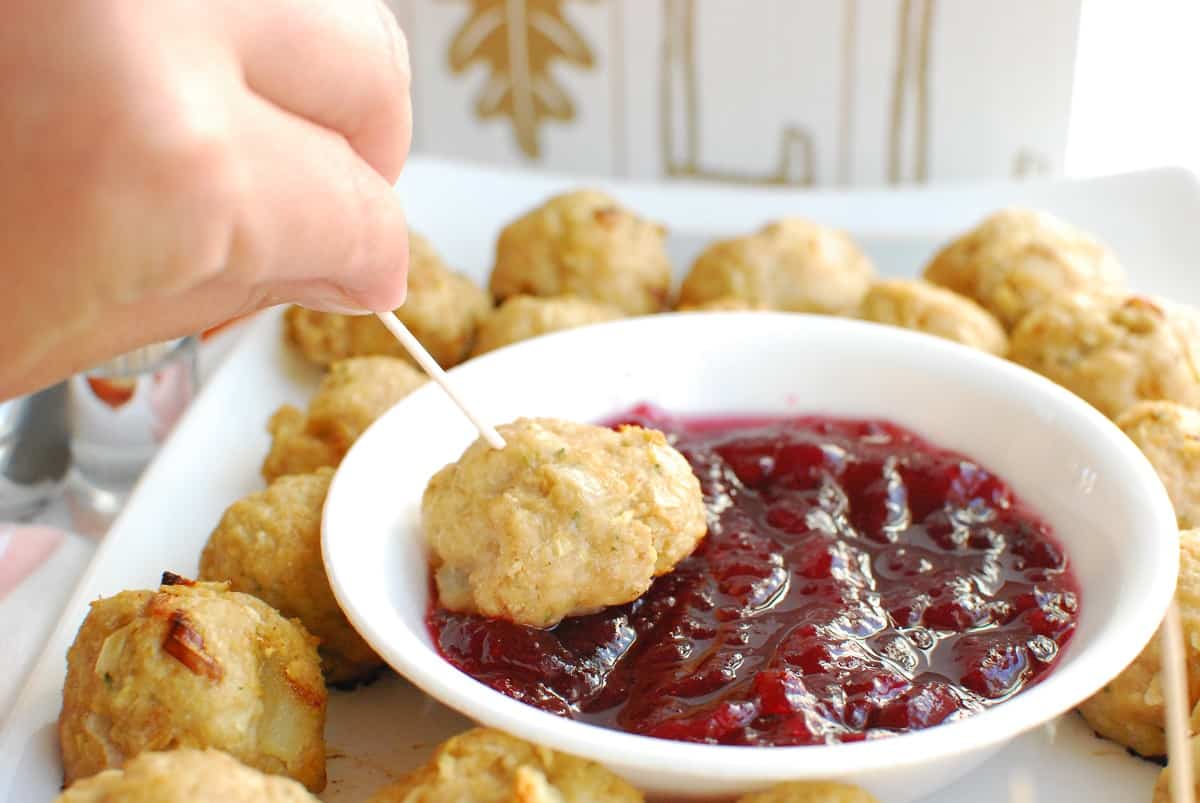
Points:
(584, 244)
(1113, 350)
(185, 776)
(1018, 259)
(791, 264)
(925, 307)
(351, 396)
(522, 317)
(489, 766)
(269, 544)
(193, 665)
(442, 310)
(565, 520)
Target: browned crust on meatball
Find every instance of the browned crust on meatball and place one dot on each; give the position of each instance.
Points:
(489, 766)
(269, 544)
(1113, 350)
(583, 243)
(1018, 259)
(349, 399)
(792, 264)
(193, 666)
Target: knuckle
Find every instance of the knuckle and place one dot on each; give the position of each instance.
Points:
(193, 180)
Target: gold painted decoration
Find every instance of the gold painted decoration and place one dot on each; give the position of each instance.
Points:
(518, 41)
(679, 96)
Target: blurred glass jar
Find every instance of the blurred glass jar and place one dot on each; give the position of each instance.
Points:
(34, 451)
(120, 413)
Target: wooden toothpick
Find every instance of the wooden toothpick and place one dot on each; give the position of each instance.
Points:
(429, 364)
(1180, 777)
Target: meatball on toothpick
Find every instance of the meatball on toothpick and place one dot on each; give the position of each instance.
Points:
(565, 520)
(1131, 708)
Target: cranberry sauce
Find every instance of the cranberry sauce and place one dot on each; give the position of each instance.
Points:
(856, 582)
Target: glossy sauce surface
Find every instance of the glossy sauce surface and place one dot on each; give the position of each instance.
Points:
(855, 582)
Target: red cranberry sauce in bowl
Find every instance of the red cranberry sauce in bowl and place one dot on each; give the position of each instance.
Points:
(856, 582)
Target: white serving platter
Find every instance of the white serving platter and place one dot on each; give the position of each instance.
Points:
(1151, 219)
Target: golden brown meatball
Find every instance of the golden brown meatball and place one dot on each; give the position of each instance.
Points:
(723, 304)
(791, 264)
(1112, 350)
(489, 766)
(1169, 435)
(925, 307)
(566, 519)
(584, 244)
(522, 317)
(193, 665)
(1130, 709)
(350, 397)
(442, 310)
(1017, 259)
(269, 544)
(811, 792)
(185, 776)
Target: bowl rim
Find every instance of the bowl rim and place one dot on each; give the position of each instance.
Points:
(1051, 696)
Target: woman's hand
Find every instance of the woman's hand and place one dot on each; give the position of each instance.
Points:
(166, 166)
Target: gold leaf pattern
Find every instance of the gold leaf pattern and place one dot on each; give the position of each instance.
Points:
(518, 40)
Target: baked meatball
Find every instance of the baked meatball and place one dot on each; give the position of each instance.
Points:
(1112, 350)
(791, 264)
(1169, 435)
(522, 317)
(489, 766)
(269, 544)
(584, 244)
(1017, 259)
(723, 304)
(565, 520)
(1130, 709)
(350, 397)
(185, 776)
(193, 665)
(442, 310)
(811, 792)
(925, 307)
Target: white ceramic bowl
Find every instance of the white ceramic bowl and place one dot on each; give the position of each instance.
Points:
(1071, 464)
